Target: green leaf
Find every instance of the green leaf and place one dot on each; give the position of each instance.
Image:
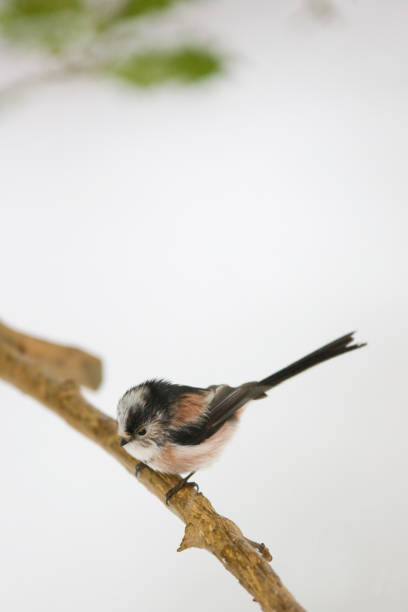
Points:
(52, 24)
(136, 8)
(32, 8)
(187, 65)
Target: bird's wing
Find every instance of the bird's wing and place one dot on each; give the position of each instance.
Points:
(222, 406)
(225, 403)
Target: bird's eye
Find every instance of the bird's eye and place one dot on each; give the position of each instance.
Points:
(141, 432)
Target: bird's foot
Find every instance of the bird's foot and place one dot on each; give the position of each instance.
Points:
(264, 550)
(140, 466)
(180, 485)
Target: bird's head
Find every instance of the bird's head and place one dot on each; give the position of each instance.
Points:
(141, 422)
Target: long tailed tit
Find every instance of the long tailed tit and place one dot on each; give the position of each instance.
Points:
(177, 429)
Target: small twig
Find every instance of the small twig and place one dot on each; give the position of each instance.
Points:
(22, 362)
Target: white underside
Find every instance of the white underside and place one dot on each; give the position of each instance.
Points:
(182, 459)
(143, 453)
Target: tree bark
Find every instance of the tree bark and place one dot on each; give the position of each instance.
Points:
(52, 374)
(59, 361)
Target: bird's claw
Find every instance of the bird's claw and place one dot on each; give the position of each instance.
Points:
(180, 485)
(140, 466)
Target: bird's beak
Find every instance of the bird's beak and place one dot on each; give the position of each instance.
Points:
(123, 441)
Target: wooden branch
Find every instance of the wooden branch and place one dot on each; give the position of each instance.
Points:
(28, 364)
(62, 362)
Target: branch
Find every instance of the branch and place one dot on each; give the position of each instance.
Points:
(37, 368)
(62, 362)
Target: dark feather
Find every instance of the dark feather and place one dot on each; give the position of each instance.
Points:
(328, 351)
(222, 408)
(228, 400)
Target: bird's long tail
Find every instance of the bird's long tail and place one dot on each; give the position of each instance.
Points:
(337, 347)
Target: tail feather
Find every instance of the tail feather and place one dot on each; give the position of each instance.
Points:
(333, 349)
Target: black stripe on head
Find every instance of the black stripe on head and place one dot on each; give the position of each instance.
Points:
(158, 398)
(155, 399)
(135, 419)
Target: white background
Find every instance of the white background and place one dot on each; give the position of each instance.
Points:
(214, 234)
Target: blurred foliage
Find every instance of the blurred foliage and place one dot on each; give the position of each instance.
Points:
(152, 67)
(135, 8)
(90, 37)
(49, 24)
(27, 8)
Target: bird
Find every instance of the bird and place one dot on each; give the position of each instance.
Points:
(179, 429)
